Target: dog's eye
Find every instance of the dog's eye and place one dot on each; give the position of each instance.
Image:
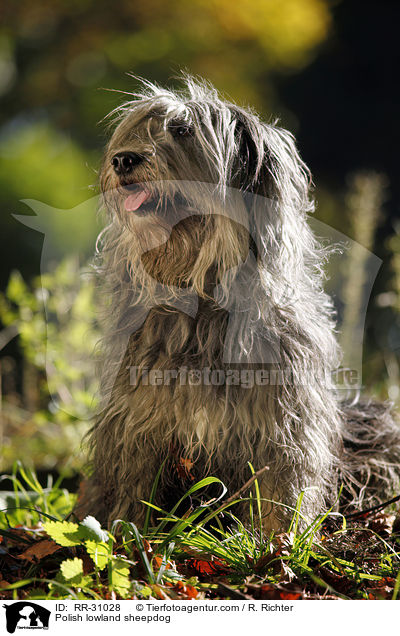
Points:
(180, 130)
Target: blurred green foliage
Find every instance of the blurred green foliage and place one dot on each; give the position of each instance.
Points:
(63, 45)
(58, 338)
(38, 162)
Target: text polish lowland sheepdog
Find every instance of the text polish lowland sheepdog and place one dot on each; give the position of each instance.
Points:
(212, 276)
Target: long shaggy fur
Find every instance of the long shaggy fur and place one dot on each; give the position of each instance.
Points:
(223, 233)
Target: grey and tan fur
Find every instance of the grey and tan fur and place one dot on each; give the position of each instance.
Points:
(219, 189)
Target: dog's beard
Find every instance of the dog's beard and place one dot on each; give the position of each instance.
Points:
(180, 234)
(166, 232)
(171, 262)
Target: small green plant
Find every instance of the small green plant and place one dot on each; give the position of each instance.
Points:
(98, 546)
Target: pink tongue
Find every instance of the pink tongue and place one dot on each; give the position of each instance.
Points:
(134, 201)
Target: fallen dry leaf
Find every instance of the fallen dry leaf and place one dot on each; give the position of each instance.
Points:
(214, 567)
(382, 524)
(382, 589)
(39, 550)
(268, 591)
(185, 591)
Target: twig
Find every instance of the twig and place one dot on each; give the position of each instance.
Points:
(245, 486)
(229, 592)
(361, 513)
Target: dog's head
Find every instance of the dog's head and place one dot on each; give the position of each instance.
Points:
(196, 183)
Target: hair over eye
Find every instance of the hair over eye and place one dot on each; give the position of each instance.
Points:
(180, 129)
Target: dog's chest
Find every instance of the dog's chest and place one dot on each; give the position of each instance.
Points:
(170, 334)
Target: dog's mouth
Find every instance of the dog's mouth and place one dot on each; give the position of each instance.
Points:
(136, 198)
(140, 200)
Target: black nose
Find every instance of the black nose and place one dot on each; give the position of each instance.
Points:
(124, 162)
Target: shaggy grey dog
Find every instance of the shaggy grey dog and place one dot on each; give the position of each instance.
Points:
(220, 340)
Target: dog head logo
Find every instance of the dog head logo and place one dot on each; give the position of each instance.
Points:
(26, 615)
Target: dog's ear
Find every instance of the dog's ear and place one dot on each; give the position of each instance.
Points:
(252, 172)
(247, 165)
(268, 163)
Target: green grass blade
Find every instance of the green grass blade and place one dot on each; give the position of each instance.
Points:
(152, 497)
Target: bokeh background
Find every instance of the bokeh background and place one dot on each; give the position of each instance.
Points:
(327, 70)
